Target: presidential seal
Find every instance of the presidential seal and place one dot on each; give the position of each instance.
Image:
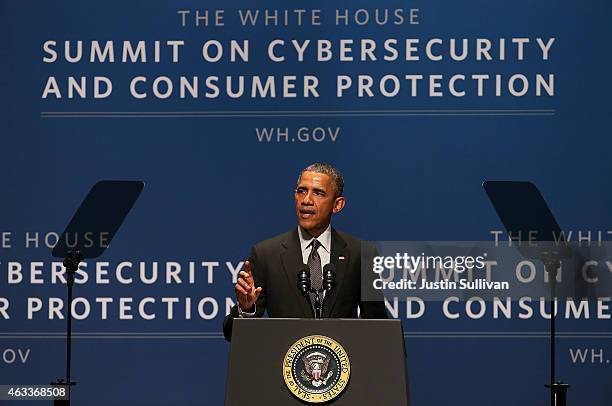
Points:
(316, 369)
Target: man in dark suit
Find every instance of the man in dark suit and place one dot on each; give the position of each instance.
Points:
(269, 279)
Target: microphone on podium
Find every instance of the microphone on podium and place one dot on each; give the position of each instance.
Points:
(329, 278)
(303, 282)
(304, 285)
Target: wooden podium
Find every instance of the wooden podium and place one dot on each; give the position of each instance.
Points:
(346, 361)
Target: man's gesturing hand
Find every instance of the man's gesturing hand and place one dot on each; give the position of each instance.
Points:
(246, 292)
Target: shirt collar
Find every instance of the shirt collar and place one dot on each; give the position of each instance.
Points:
(324, 238)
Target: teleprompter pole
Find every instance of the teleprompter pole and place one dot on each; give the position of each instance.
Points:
(558, 390)
(71, 264)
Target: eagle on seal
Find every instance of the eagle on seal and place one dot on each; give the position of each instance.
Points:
(316, 365)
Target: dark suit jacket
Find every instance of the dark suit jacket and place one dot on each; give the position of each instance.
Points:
(275, 263)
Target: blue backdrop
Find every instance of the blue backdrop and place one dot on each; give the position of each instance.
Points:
(413, 168)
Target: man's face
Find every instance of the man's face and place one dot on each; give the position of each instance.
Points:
(315, 201)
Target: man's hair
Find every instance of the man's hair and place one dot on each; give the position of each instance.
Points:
(328, 170)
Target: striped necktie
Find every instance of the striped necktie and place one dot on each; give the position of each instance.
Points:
(316, 272)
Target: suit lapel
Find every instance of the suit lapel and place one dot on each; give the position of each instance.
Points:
(339, 258)
(291, 258)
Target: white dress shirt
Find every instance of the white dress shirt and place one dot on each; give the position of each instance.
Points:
(324, 250)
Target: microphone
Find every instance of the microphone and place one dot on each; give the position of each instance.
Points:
(329, 278)
(303, 281)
